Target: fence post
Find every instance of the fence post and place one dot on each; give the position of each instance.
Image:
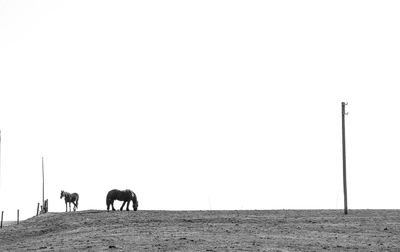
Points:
(1, 225)
(17, 216)
(37, 211)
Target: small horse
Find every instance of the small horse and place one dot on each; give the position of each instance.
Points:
(70, 197)
(125, 196)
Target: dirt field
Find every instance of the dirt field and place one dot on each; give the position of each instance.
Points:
(283, 230)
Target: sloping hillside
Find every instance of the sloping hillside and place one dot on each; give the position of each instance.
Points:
(316, 230)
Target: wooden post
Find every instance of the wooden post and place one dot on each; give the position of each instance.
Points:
(344, 156)
(17, 216)
(37, 211)
(1, 223)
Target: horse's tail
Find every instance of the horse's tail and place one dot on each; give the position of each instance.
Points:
(108, 199)
(77, 199)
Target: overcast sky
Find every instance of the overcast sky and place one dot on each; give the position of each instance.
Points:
(199, 104)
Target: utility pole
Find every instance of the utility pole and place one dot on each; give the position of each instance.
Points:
(344, 155)
(42, 182)
(0, 158)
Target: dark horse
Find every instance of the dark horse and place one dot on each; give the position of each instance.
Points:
(70, 198)
(125, 196)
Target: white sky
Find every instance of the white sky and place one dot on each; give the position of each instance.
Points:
(199, 104)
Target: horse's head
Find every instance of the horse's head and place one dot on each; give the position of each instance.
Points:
(135, 201)
(62, 194)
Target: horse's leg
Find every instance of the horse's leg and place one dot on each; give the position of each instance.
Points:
(66, 208)
(122, 207)
(127, 206)
(75, 206)
(112, 204)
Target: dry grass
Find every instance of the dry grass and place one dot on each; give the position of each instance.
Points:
(283, 230)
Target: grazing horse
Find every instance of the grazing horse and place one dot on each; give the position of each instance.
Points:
(70, 198)
(126, 196)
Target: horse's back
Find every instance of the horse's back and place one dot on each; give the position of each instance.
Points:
(116, 194)
(70, 197)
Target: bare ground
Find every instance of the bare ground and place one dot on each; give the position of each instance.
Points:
(280, 230)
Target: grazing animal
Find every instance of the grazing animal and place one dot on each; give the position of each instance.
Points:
(126, 196)
(70, 198)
